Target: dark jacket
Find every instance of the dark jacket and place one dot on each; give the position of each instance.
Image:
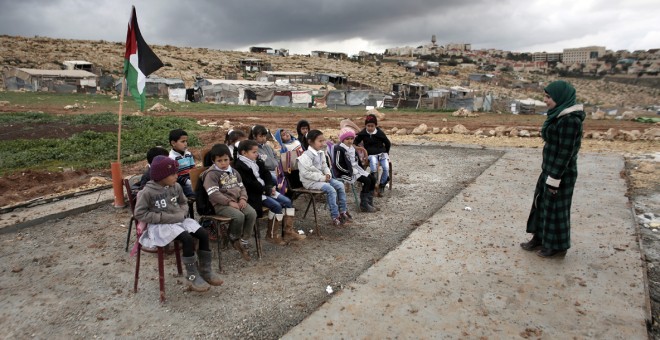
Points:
(342, 166)
(252, 186)
(375, 144)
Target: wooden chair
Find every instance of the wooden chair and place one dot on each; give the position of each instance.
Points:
(310, 193)
(161, 271)
(138, 249)
(131, 195)
(219, 221)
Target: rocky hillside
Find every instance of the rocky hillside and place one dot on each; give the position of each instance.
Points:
(186, 63)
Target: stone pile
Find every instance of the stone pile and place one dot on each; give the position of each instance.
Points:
(650, 134)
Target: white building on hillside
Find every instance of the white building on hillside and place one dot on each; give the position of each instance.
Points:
(582, 54)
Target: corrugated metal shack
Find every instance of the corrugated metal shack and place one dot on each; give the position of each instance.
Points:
(260, 93)
(62, 81)
(158, 87)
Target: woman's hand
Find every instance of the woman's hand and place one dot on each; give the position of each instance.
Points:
(327, 178)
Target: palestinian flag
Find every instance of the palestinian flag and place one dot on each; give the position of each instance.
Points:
(139, 61)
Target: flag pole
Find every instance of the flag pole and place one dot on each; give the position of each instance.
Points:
(116, 166)
(121, 106)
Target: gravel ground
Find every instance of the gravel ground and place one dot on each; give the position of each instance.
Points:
(72, 279)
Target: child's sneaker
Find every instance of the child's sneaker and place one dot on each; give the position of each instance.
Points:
(337, 221)
(346, 217)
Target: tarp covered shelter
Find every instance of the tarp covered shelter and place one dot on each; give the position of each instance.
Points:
(157, 86)
(64, 81)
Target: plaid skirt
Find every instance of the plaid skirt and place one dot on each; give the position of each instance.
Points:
(550, 216)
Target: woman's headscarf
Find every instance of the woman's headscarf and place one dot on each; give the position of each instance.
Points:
(563, 94)
(278, 138)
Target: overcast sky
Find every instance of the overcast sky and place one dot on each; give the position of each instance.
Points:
(346, 26)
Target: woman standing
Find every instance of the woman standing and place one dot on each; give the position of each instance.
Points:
(549, 219)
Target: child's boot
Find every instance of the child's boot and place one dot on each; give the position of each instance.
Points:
(205, 268)
(195, 281)
(241, 249)
(291, 234)
(346, 217)
(371, 201)
(364, 203)
(273, 234)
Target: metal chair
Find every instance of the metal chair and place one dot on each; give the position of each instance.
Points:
(301, 191)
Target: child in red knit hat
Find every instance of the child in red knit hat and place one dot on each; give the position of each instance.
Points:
(164, 207)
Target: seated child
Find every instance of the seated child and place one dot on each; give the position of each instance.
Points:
(259, 133)
(315, 174)
(228, 196)
(261, 192)
(347, 168)
(151, 154)
(164, 207)
(303, 128)
(232, 139)
(180, 153)
(290, 150)
(378, 148)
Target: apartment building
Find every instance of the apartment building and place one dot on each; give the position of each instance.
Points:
(582, 54)
(543, 56)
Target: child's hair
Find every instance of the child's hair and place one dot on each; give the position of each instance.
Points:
(233, 135)
(218, 150)
(302, 123)
(246, 145)
(156, 151)
(313, 135)
(176, 134)
(258, 130)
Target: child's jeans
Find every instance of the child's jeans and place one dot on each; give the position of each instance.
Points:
(383, 159)
(333, 190)
(276, 204)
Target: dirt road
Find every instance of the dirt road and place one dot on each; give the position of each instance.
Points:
(74, 277)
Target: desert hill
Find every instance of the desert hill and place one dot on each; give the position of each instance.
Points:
(187, 62)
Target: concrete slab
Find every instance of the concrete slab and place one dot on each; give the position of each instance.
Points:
(30, 216)
(462, 273)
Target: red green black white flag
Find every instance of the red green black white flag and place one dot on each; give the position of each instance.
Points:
(139, 61)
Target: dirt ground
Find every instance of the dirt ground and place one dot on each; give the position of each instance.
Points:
(32, 184)
(80, 280)
(76, 279)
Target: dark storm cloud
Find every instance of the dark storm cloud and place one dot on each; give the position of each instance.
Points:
(233, 24)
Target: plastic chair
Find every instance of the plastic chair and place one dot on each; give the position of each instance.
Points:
(219, 221)
(161, 266)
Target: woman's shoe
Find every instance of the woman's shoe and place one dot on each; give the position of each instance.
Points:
(532, 244)
(545, 252)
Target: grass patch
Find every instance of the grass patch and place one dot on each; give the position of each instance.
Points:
(89, 149)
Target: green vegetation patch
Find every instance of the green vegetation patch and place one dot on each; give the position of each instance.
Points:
(88, 149)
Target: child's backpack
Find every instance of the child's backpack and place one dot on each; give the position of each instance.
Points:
(204, 206)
